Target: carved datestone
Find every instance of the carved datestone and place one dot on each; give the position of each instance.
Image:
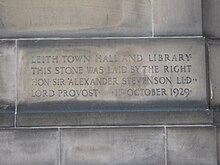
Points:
(111, 74)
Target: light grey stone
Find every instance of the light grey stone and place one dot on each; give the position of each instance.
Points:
(114, 118)
(111, 74)
(75, 18)
(113, 146)
(214, 74)
(8, 69)
(28, 147)
(211, 18)
(177, 17)
(191, 146)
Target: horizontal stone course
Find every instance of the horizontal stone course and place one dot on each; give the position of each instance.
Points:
(97, 18)
(193, 145)
(75, 18)
(114, 118)
(23, 120)
(112, 146)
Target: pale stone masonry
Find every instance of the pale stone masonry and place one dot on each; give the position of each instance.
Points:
(98, 18)
(77, 18)
(211, 19)
(177, 18)
(93, 82)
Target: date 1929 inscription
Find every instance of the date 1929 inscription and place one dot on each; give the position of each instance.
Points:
(111, 72)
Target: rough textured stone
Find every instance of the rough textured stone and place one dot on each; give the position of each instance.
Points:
(75, 18)
(176, 80)
(211, 18)
(191, 146)
(177, 17)
(112, 146)
(214, 74)
(25, 147)
(115, 118)
(8, 68)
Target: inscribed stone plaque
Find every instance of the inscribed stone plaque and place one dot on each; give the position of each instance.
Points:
(112, 146)
(177, 17)
(78, 18)
(8, 61)
(214, 68)
(111, 74)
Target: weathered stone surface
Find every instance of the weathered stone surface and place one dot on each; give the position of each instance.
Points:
(111, 75)
(211, 18)
(177, 17)
(8, 68)
(216, 116)
(7, 119)
(114, 118)
(75, 18)
(112, 146)
(218, 143)
(191, 146)
(214, 67)
(25, 147)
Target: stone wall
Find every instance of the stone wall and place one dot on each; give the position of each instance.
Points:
(109, 82)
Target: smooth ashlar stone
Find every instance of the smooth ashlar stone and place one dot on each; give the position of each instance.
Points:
(177, 17)
(112, 146)
(75, 18)
(211, 18)
(111, 75)
(214, 67)
(8, 69)
(28, 146)
(191, 146)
